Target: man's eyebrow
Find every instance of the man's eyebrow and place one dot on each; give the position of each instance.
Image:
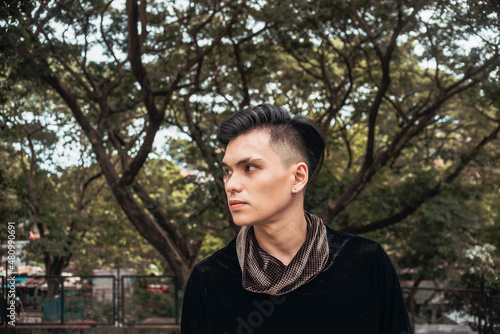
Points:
(242, 161)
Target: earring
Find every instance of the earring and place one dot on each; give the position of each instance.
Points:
(294, 191)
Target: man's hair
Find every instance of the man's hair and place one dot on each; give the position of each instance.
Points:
(292, 138)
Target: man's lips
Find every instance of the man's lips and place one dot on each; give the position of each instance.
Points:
(236, 204)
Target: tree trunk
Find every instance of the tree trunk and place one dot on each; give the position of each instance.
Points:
(53, 287)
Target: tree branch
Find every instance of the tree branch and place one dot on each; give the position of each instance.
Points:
(399, 141)
(181, 243)
(243, 76)
(465, 159)
(192, 62)
(134, 56)
(155, 115)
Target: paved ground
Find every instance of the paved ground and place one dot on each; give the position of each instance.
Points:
(443, 329)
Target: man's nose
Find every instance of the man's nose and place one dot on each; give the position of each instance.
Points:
(233, 183)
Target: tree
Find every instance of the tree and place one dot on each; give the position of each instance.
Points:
(112, 242)
(386, 81)
(53, 204)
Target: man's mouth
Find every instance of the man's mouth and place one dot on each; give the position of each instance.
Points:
(236, 204)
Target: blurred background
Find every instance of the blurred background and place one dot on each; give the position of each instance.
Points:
(109, 164)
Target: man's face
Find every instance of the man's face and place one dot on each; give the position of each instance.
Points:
(258, 185)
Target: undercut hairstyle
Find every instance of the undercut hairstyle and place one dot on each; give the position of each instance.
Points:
(294, 139)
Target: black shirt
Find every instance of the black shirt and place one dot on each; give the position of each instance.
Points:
(357, 292)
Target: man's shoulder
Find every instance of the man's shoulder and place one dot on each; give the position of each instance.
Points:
(355, 245)
(339, 236)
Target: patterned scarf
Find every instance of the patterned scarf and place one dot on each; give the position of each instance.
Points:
(263, 273)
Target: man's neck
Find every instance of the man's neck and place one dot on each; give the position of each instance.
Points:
(283, 239)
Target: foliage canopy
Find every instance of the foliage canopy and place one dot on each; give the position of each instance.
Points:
(408, 106)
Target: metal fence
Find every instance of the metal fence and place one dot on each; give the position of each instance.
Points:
(92, 300)
(149, 300)
(156, 300)
(464, 311)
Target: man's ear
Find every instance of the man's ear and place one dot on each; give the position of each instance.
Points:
(301, 176)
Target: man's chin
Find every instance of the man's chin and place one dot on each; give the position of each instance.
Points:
(243, 223)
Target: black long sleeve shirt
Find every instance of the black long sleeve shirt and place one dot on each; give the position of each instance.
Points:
(357, 292)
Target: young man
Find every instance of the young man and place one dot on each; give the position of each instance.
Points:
(286, 272)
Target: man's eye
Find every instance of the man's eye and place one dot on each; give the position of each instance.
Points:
(227, 172)
(249, 168)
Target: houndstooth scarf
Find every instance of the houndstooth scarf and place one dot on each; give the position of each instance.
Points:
(263, 273)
